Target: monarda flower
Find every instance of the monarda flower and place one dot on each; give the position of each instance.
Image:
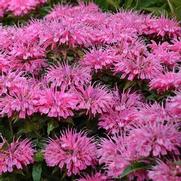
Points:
(15, 155)
(173, 106)
(164, 53)
(136, 62)
(19, 7)
(167, 171)
(123, 113)
(94, 99)
(22, 101)
(72, 150)
(57, 103)
(94, 177)
(162, 27)
(152, 113)
(116, 156)
(166, 82)
(11, 81)
(66, 76)
(155, 139)
(99, 59)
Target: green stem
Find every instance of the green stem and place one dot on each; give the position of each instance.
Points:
(11, 128)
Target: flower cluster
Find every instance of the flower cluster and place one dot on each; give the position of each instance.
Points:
(15, 155)
(19, 7)
(117, 76)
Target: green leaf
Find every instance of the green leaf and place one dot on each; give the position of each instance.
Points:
(36, 173)
(128, 4)
(39, 156)
(51, 126)
(134, 167)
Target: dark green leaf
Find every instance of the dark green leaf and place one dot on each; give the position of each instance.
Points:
(135, 167)
(36, 173)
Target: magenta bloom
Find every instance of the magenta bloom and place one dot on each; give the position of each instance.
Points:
(72, 150)
(152, 113)
(21, 101)
(96, 177)
(167, 171)
(57, 104)
(19, 7)
(99, 59)
(95, 100)
(136, 62)
(11, 82)
(155, 139)
(123, 113)
(173, 106)
(65, 76)
(165, 82)
(164, 53)
(16, 155)
(162, 26)
(116, 156)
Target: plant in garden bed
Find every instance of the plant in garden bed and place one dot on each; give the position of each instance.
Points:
(90, 95)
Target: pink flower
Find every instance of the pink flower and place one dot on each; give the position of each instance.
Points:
(155, 139)
(94, 99)
(96, 177)
(152, 113)
(56, 104)
(22, 101)
(66, 76)
(173, 106)
(167, 171)
(61, 12)
(176, 45)
(116, 156)
(26, 53)
(123, 113)
(11, 82)
(165, 82)
(72, 150)
(99, 59)
(4, 63)
(15, 155)
(19, 7)
(136, 62)
(164, 53)
(162, 27)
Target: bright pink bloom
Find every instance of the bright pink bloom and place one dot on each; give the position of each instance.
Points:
(123, 113)
(165, 82)
(94, 99)
(72, 150)
(21, 100)
(173, 106)
(11, 82)
(136, 62)
(152, 113)
(164, 53)
(155, 139)
(96, 177)
(165, 171)
(17, 155)
(57, 104)
(66, 76)
(116, 156)
(162, 27)
(21, 7)
(99, 59)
